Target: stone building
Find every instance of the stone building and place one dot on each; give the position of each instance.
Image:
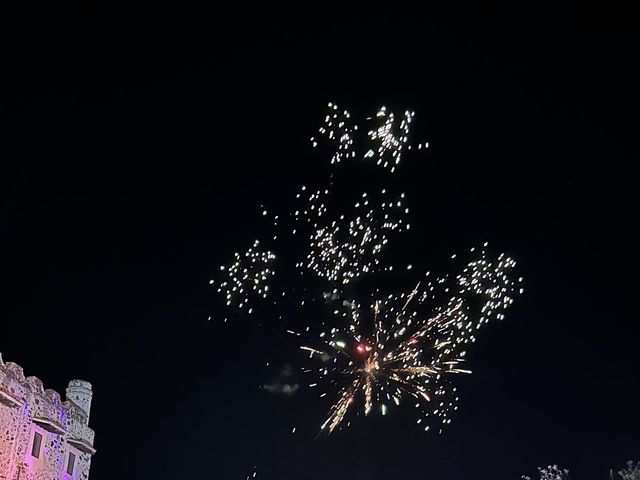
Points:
(42, 437)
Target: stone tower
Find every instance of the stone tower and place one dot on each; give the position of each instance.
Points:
(80, 393)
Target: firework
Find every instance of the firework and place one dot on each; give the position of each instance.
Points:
(252, 475)
(390, 144)
(385, 350)
(247, 277)
(342, 248)
(341, 244)
(340, 131)
(386, 139)
(401, 353)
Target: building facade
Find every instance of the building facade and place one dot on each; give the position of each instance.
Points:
(41, 436)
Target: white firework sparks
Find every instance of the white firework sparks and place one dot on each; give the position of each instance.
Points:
(252, 475)
(247, 277)
(340, 131)
(387, 140)
(342, 244)
(343, 248)
(391, 144)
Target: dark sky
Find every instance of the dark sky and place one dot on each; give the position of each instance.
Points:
(137, 145)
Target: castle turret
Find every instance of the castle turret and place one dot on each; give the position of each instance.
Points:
(80, 393)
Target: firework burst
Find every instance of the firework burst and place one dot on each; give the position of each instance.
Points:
(387, 139)
(382, 350)
(341, 243)
(401, 352)
(342, 248)
(247, 277)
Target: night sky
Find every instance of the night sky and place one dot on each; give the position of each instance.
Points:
(137, 146)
